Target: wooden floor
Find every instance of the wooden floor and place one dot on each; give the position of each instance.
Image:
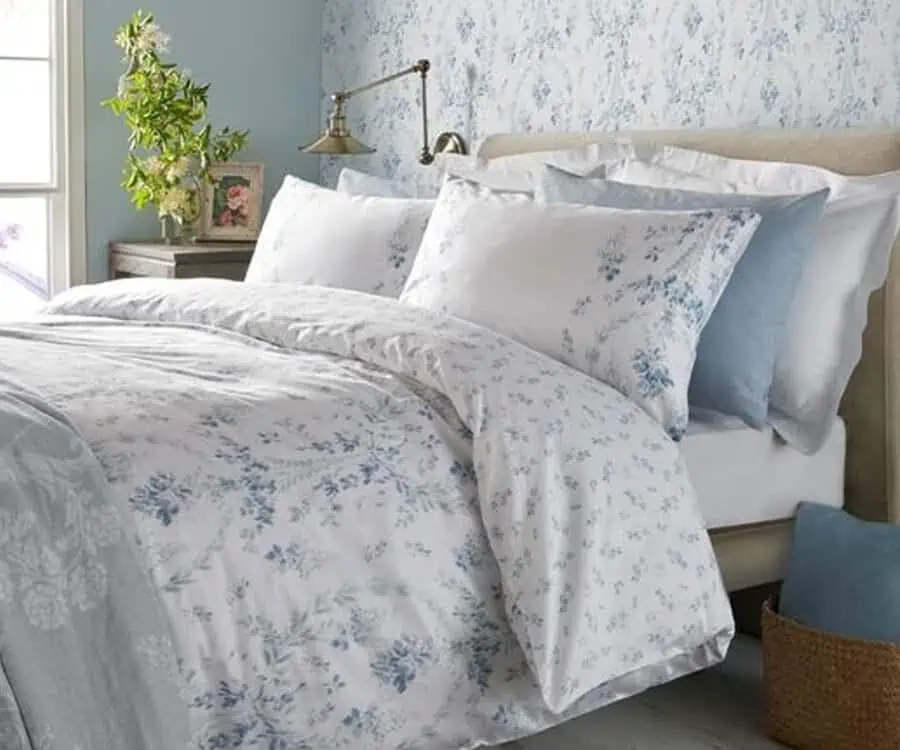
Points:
(720, 709)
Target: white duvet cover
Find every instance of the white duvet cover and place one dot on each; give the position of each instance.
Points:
(369, 525)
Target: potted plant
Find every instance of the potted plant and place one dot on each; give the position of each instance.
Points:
(172, 144)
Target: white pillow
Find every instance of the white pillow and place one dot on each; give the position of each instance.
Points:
(579, 160)
(823, 338)
(770, 176)
(313, 235)
(517, 173)
(354, 182)
(498, 177)
(620, 295)
(638, 172)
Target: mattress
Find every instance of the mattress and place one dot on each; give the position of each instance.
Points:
(744, 476)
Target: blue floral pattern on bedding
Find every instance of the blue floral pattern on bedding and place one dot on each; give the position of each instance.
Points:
(620, 295)
(369, 525)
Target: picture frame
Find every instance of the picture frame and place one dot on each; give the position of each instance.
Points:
(231, 205)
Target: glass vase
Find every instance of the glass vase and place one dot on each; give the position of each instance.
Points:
(175, 231)
(187, 232)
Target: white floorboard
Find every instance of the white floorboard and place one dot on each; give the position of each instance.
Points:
(719, 709)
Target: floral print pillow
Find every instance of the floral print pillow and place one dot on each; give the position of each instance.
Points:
(321, 237)
(620, 295)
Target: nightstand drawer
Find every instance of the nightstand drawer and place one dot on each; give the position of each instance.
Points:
(218, 260)
(233, 271)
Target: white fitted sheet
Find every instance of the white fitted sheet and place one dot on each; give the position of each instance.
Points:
(745, 476)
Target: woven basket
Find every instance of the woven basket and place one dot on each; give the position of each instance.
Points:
(828, 692)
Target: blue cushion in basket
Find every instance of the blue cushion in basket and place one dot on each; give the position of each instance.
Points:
(843, 575)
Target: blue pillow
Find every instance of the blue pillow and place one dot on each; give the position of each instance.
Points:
(736, 352)
(843, 575)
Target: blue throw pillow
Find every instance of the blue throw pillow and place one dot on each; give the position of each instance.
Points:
(737, 349)
(843, 575)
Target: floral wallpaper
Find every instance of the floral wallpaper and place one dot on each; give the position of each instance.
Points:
(530, 65)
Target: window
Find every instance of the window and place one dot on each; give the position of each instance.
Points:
(42, 247)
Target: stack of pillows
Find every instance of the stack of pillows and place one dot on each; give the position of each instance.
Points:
(696, 285)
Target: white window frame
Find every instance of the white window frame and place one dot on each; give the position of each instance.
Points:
(68, 241)
(66, 191)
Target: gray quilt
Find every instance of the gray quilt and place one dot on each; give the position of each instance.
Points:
(75, 602)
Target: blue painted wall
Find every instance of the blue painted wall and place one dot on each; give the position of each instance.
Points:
(263, 60)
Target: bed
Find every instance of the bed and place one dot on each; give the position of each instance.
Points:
(746, 476)
(753, 554)
(311, 511)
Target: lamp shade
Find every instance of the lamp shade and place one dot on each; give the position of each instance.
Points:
(342, 145)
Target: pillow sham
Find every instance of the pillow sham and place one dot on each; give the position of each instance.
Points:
(517, 173)
(354, 182)
(578, 160)
(769, 176)
(498, 178)
(824, 337)
(638, 172)
(822, 343)
(736, 353)
(316, 236)
(619, 295)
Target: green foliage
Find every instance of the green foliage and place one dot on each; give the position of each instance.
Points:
(172, 144)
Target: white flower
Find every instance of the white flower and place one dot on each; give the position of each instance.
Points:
(177, 170)
(176, 202)
(161, 41)
(153, 38)
(149, 38)
(154, 166)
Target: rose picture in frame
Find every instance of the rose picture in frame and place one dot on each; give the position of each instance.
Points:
(232, 202)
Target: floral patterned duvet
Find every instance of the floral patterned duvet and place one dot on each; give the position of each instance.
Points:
(257, 516)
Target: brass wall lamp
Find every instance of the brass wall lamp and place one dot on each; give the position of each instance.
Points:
(337, 139)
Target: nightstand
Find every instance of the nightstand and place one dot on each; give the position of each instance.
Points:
(220, 260)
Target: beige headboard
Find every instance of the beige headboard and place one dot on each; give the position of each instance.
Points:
(871, 407)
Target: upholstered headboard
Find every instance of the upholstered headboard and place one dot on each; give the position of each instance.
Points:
(871, 407)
